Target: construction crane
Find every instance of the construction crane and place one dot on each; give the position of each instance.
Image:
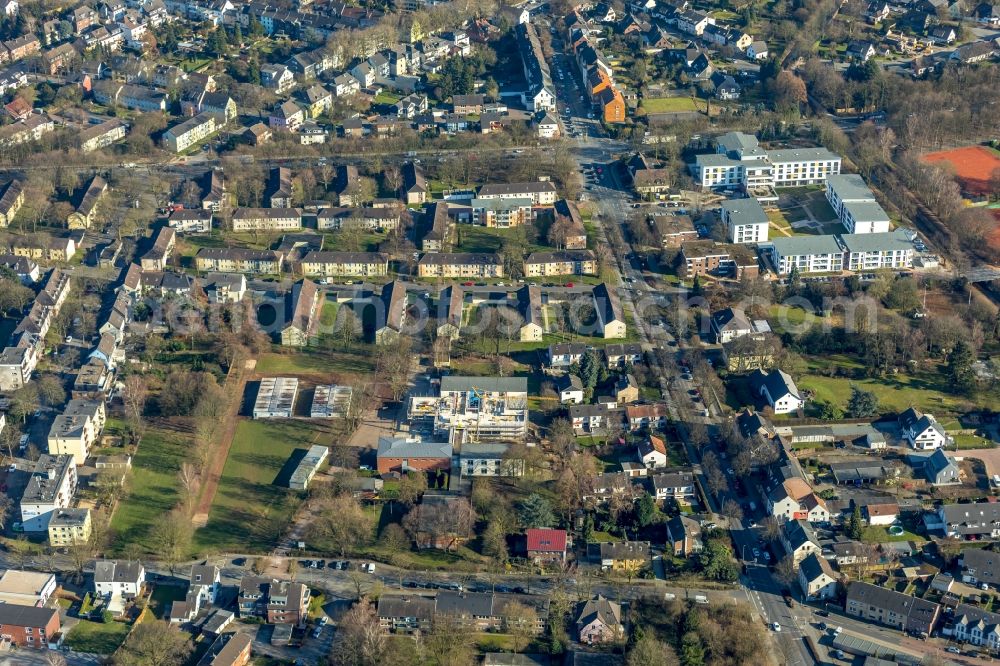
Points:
(480, 396)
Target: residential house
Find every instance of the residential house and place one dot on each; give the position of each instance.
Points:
(570, 389)
(778, 389)
(979, 566)
(683, 536)
(85, 212)
(817, 578)
(678, 486)
(271, 219)
(414, 187)
(799, 540)
(860, 50)
(28, 626)
(562, 262)
(489, 459)
(882, 513)
(158, 255)
(302, 306)
(546, 546)
(273, 600)
(192, 131)
(940, 470)
(116, 581)
(976, 626)
(11, 202)
(100, 136)
(793, 499)
(277, 78)
(648, 417)
(895, 609)
(624, 556)
(976, 520)
(599, 621)
(460, 265)
(652, 451)
(621, 355)
(228, 649)
(392, 314)
(922, 431)
(287, 116)
(238, 260)
(565, 354)
(191, 220)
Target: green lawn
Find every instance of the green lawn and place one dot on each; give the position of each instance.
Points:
(153, 491)
(879, 534)
(312, 360)
(96, 637)
(250, 509)
(163, 597)
(929, 390)
(473, 238)
(669, 104)
(966, 441)
(386, 97)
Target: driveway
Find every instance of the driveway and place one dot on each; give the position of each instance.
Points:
(990, 458)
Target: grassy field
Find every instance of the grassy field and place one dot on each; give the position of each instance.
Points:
(97, 637)
(480, 239)
(252, 505)
(669, 105)
(154, 485)
(928, 389)
(312, 360)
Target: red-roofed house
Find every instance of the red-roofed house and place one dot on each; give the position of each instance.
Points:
(653, 452)
(546, 545)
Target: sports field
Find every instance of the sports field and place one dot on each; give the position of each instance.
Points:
(972, 165)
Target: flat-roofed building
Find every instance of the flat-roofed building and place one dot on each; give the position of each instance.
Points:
(500, 212)
(77, 429)
(541, 193)
(308, 466)
(745, 220)
(331, 401)
(267, 219)
(50, 488)
(855, 204)
(275, 398)
(874, 251)
(672, 230)
(491, 408)
(69, 527)
(26, 588)
(807, 254)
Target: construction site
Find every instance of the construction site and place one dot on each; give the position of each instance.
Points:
(473, 409)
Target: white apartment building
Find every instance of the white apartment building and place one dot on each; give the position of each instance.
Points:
(809, 254)
(50, 488)
(871, 251)
(745, 220)
(346, 264)
(740, 162)
(182, 136)
(855, 205)
(117, 579)
(191, 220)
(75, 431)
(541, 193)
(16, 366)
(270, 219)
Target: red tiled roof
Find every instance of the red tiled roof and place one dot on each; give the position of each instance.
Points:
(658, 444)
(546, 540)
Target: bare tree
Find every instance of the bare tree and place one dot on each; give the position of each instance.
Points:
(360, 641)
(134, 395)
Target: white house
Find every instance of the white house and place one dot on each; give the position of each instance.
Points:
(570, 389)
(816, 578)
(778, 389)
(922, 431)
(118, 580)
(653, 452)
(881, 514)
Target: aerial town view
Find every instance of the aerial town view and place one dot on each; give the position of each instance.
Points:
(479, 332)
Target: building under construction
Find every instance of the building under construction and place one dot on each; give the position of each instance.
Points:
(473, 409)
